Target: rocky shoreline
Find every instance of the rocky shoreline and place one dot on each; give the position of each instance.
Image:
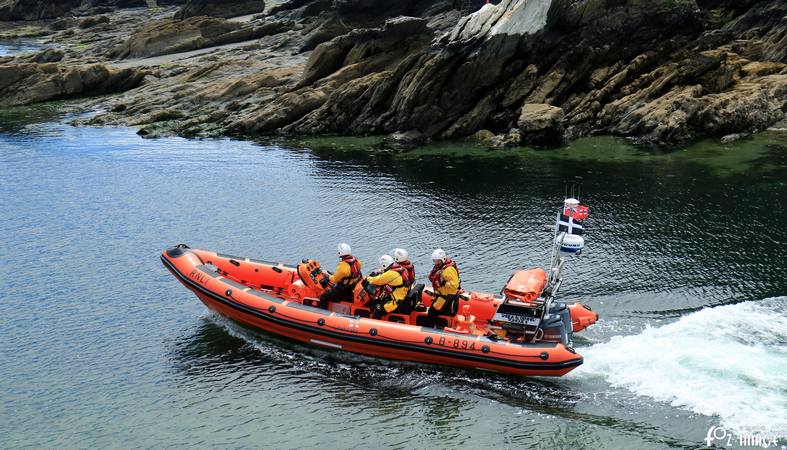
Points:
(521, 72)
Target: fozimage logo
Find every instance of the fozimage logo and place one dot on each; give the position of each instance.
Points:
(748, 437)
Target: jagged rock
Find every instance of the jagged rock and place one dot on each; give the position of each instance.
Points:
(324, 33)
(365, 13)
(541, 124)
(158, 116)
(482, 137)
(329, 57)
(50, 9)
(511, 139)
(734, 137)
(35, 9)
(172, 36)
(539, 117)
(762, 68)
(709, 94)
(515, 17)
(47, 55)
(90, 22)
(687, 70)
(21, 84)
(220, 8)
(405, 140)
(64, 23)
(285, 110)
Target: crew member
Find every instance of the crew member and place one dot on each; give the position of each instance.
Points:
(392, 287)
(344, 279)
(403, 259)
(445, 283)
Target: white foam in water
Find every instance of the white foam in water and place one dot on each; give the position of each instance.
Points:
(728, 361)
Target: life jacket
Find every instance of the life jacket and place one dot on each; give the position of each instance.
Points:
(435, 276)
(406, 282)
(410, 268)
(355, 271)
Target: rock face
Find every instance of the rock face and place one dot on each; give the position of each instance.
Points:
(519, 72)
(335, 72)
(679, 77)
(50, 9)
(35, 9)
(30, 82)
(172, 36)
(350, 48)
(405, 140)
(220, 8)
(513, 17)
(541, 124)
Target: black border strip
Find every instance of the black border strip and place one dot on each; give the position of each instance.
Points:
(324, 332)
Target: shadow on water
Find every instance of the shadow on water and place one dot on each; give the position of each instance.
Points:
(693, 213)
(220, 349)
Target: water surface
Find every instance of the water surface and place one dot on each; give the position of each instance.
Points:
(103, 347)
(12, 47)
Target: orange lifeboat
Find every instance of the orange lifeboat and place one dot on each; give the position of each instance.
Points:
(280, 299)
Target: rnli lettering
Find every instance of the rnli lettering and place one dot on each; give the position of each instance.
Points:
(353, 326)
(456, 343)
(199, 277)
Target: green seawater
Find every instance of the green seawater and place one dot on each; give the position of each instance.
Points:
(101, 347)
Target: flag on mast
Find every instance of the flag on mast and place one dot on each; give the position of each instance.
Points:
(570, 218)
(566, 223)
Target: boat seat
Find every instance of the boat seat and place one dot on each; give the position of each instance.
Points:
(399, 318)
(362, 312)
(419, 318)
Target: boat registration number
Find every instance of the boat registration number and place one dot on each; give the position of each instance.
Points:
(456, 343)
(515, 318)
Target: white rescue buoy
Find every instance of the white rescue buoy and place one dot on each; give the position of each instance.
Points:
(570, 243)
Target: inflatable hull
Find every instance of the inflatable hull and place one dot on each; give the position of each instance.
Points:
(273, 310)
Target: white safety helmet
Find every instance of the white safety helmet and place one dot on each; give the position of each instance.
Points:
(439, 255)
(344, 249)
(386, 261)
(400, 254)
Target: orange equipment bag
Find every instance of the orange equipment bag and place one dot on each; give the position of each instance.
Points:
(526, 285)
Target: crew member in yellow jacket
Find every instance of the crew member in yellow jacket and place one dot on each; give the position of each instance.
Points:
(445, 284)
(342, 282)
(392, 287)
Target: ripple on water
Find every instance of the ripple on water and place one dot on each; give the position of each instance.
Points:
(107, 347)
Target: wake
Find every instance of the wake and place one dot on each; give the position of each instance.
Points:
(727, 361)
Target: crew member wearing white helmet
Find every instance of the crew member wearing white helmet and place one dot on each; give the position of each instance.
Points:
(403, 259)
(344, 279)
(392, 287)
(446, 284)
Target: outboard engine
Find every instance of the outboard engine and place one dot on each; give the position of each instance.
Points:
(557, 324)
(526, 316)
(529, 312)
